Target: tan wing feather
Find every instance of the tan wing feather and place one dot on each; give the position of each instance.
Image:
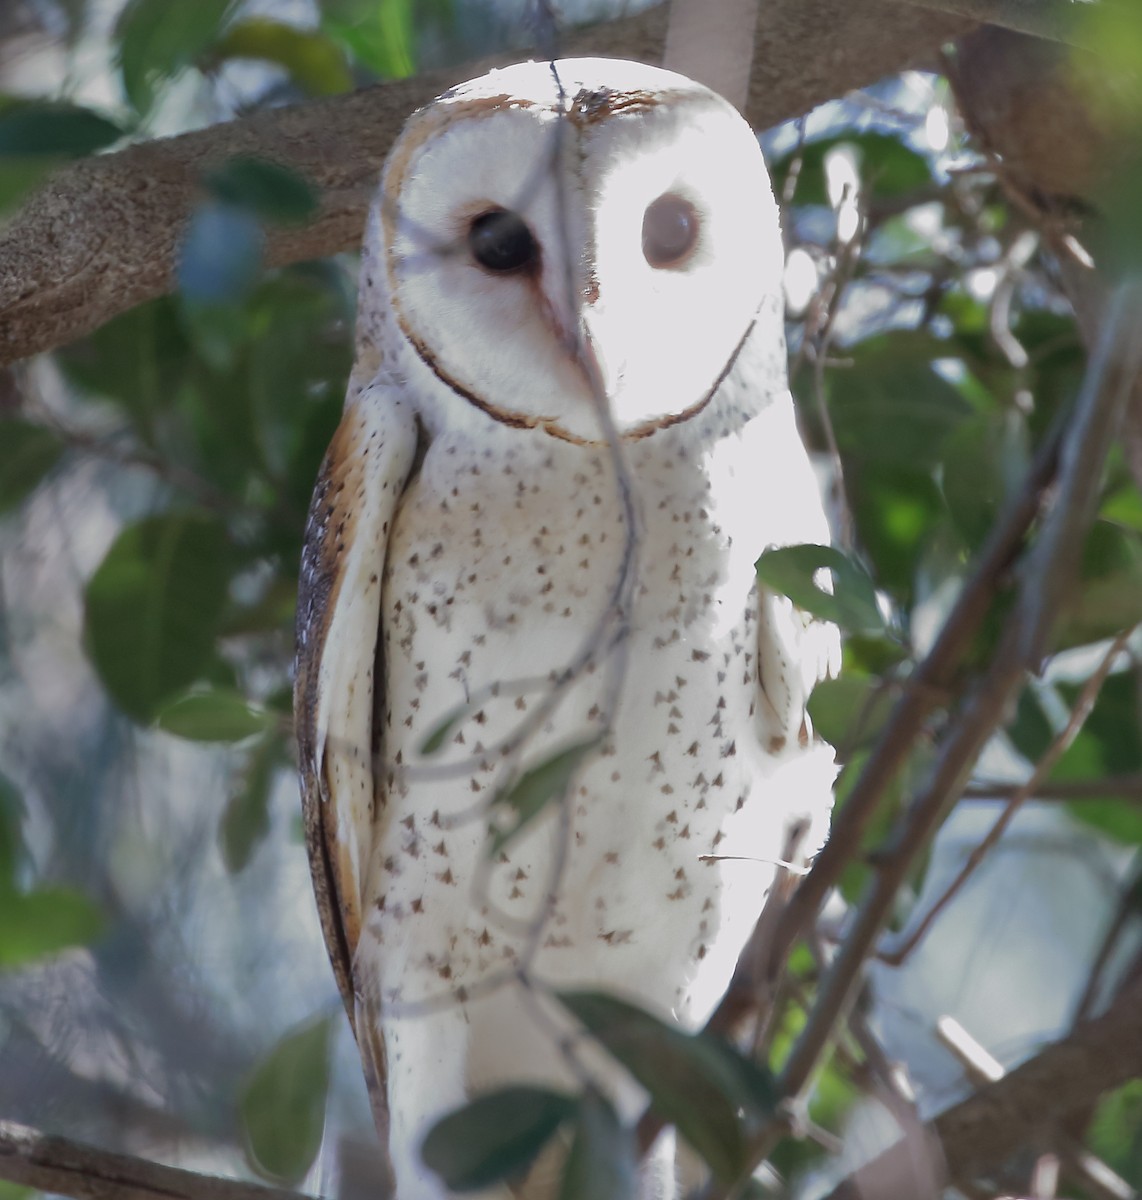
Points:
(354, 503)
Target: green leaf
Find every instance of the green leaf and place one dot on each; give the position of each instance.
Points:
(19, 177)
(888, 168)
(313, 61)
(137, 360)
(11, 839)
(27, 453)
(212, 715)
(1110, 743)
(160, 38)
(440, 732)
(603, 1161)
(494, 1137)
(849, 711)
(283, 1103)
(1030, 731)
(890, 408)
(380, 34)
(153, 608)
(246, 819)
(44, 922)
(790, 570)
(697, 1082)
(536, 788)
(268, 190)
(897, 511)
(56, 131)
(14, 1191)
(1115, 1133)
(984, 461)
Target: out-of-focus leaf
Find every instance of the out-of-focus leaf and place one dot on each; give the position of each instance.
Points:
(19, 177)
(494, 1137)
(1030, 731)
(535, 789)
(1110, 595)
(791, 570)
(159, 38)
(42, 922)
(1110, 743)
(212, 715)
(153, 608)
(700, 1084)
(897, 512)
(266, 189)
(313, 61)
(27, 453)
(603, 1160)
(137, 360)
(246, 819)
(381, 35)
(888, 167)
(892, 409)
(984, 460)
(54, 130)
(13, 1191)
(439, 734)
(1124, 507)
(11, 841)
(1115, 1133)
(220, 258)
(283, 1104)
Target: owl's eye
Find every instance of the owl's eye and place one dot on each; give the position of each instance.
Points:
(669, 231)
(501, 241)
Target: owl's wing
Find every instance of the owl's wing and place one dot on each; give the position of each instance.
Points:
(339, 675)
(795, 650)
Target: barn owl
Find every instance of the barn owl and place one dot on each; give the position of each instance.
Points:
(568, 437)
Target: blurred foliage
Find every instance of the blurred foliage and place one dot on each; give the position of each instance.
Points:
(938, 366)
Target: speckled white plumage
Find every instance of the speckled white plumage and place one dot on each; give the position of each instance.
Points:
(469, 517)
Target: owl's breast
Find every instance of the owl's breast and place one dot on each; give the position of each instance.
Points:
(501, 567)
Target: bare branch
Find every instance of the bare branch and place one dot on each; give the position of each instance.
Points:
(977, 1135)
(56, 1165)
(1052, 20)
(103, 234)
(1049, 569)
(1062, 742)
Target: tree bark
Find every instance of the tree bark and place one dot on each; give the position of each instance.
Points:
(103, 234)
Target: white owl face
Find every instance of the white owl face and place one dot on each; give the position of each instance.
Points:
(625, 234)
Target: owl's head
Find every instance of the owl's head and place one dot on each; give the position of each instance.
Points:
(552, 230)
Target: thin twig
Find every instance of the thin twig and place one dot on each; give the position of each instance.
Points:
(1050, 563)
(979, 1134)
(1121, 787)
(34, 1159)
(1058, 747)
(924, 691)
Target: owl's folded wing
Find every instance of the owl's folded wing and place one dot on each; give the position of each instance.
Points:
(795, 650)
(339, 605)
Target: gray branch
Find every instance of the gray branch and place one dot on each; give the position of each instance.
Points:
(56, 1165)
(102, 235)
(976, 1136)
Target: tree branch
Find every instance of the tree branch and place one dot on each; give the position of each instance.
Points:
(977, 1135)
(102, 235)
(54, 1164)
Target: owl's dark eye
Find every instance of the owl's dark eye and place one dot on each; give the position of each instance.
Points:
(669, 231)
(501, 241)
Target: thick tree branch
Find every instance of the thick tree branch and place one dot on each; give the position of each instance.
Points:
(1020, 1110)
(54, 1164)
(103, 234)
